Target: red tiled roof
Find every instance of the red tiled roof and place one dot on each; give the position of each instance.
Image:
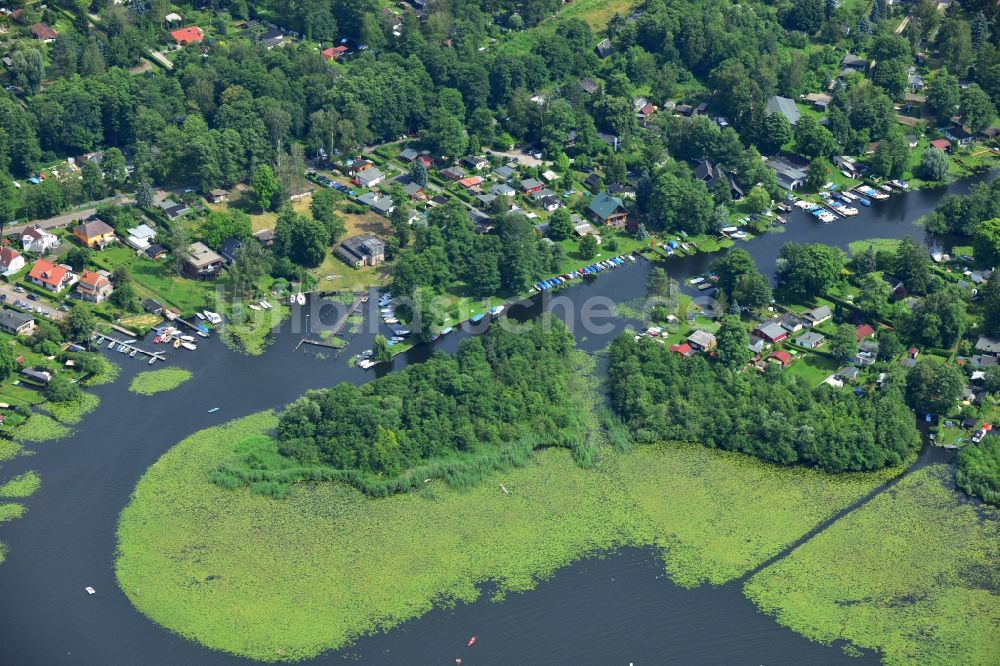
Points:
(782, 356)
(43, 31)
(7, 255)
(188, 35)
(943, 145)
(682, 349)
(863, 331)
(92, 279)
(48, 273)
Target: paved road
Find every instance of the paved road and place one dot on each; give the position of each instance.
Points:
(12, 295)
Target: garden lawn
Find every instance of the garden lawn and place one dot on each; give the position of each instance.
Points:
(913, 573)
(283, 579)
(152, 382)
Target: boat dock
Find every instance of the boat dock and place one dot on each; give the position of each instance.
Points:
(102, 337)
(337, 326)
(193, 327)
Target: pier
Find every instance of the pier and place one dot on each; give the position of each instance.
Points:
(103, 337)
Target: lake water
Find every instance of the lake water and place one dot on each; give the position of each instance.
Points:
(612, 610)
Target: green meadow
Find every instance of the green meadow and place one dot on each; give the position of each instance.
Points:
(283, 579)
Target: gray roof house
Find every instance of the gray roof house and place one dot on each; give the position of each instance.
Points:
(785, 107)
(384, 206)
(817, 316)
(788, 175)
(851, 61)
(988, 345)
(408, 155)
(848, 373)
(702, 340)
(16, 323)
(361, 250)
(810, 340)
(370, 177)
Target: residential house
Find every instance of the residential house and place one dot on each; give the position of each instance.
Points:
(790, 322)
(384, 206)
(93, 287)
(265, 237)
(95, 234)
(504, 173)
(414, 191)
(551, 202)
(16, 323)
(819, 101)
(683, 110)
(218, 196)
(173, 209)
(475, 162)
(592, 182)
(756, 345)
(43, 33)
(684, 349)
(608, 210)
(789, 176)
(151, 306)
(781, 357)
(228, 250)
(785, 107)
(140, 237)
(644, 110)
(361, 250)
(11, 261)
(604, 48)
(155, 252)
(407, 155)
(273, 38)
(453, 173)
(711, 174)
(36, 240)
(817, 316)
(853, 62)
(848, 165)
(202, 262)
(470, 182)
(530, 186)
(944, 145)
(369, 178)
(589, 86)
(582, 229)
(958, 134)
(810, 340)
(189, 35)
(987, 345)
(50, 276)
(502, 190)
(40, 376)
(848, 373)
(863, 331)
(702, 341)
(771, 331)
(914, 82)
(625, 191)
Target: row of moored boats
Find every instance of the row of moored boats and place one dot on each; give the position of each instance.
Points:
(590, 269)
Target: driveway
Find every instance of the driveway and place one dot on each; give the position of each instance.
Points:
(46, 307)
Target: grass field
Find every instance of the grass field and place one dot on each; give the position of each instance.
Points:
(251, 335)
(913, 574)
(286, 579)
(152, 382)
(856, 248)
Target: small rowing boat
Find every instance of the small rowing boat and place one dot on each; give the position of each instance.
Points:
(90, 590)
(472, 641)
(213, 410)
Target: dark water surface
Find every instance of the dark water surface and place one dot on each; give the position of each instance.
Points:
(612, 610)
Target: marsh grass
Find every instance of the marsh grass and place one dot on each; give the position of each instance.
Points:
(22, 485)
(152, 382)
(913, 574)
(341, 563)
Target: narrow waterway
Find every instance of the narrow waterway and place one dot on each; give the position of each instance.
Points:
(613, 610)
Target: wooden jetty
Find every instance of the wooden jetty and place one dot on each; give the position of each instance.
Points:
(103, 337)
(122, 329)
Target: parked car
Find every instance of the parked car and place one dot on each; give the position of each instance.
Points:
(19, 289)
(32, 297)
